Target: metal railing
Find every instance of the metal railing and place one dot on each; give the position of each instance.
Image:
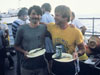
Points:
(93, 26)
(87, 35)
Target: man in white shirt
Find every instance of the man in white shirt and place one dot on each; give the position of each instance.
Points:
(77, 23)
(46, 17)
(22, 19)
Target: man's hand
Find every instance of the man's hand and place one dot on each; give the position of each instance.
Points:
(26, 53)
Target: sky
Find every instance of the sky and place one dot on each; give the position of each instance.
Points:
(80, 7)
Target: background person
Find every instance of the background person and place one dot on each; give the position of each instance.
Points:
(2, 54)
(77, 23)
(4, 28)
(22, 19)
(48, 18)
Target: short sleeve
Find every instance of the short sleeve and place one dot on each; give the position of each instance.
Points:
(79, 37)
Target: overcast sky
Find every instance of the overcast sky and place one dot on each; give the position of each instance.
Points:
(78, 6)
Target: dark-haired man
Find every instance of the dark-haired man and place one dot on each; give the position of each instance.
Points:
(31, 36)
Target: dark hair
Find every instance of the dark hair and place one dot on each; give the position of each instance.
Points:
(22, 11)
(46, 6)
(73, 14)
(36, 8)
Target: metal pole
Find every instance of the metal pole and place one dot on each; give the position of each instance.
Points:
(93, 26)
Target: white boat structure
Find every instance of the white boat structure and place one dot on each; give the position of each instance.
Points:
(10, 13)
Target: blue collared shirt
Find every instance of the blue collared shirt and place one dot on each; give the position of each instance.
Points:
(47, 18)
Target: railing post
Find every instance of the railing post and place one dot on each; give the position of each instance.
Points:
(93, 26)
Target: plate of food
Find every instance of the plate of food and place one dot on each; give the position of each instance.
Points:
(36, 52)
(64, 58)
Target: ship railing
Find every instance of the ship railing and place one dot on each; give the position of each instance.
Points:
(92, 32)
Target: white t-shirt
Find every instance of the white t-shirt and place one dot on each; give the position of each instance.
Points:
(77, 23)
(4, 26)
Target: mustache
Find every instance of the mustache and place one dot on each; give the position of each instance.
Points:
(34, 19)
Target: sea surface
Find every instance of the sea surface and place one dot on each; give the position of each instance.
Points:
(87, 22)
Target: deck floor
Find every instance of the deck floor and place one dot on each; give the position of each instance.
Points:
(84, 67)
(7, 70)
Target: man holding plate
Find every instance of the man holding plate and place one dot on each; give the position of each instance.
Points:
(29, 41)
(67, 36)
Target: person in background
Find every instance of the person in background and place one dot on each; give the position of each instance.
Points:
(48, 18)
(22, 19)
(4, 28)
(66, 35)
(2, 53)
(77, 23)
(33, 37)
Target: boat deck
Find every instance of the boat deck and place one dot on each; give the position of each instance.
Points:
(7, 70)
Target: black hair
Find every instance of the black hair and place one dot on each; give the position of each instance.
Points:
(46, 6)
(36, 8)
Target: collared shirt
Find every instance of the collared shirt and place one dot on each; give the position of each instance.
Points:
(47, 18)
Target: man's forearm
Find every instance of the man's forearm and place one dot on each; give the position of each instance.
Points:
(19, 49)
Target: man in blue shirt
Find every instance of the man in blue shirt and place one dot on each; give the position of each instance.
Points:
(47, 17)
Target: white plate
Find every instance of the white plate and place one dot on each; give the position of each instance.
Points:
(64, 58)
(35, 53)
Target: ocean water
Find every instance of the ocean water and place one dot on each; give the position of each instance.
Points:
(87, 22)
